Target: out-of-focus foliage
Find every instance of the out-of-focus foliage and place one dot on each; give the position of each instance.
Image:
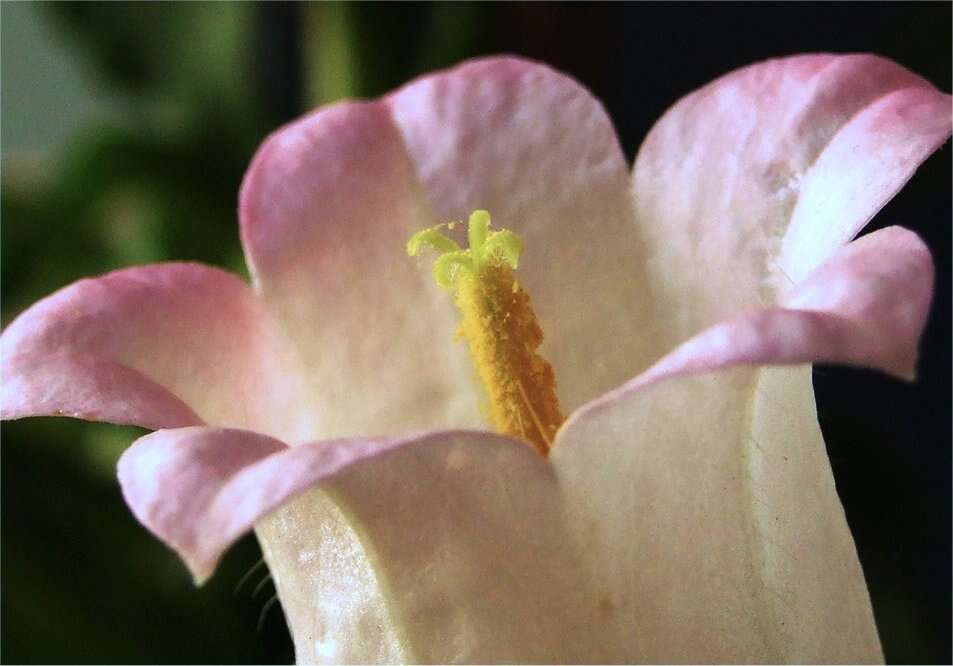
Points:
(162, 106)
(156, 180)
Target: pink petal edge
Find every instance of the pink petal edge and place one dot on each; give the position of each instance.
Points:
(83, 386)
(139, 346)
(199, 489)
(866, 306)
(759, 177)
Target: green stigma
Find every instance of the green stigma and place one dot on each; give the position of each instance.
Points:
(486, 247)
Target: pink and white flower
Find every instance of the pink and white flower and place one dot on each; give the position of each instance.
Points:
(687, 510)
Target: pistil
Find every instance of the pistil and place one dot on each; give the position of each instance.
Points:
(500, 327)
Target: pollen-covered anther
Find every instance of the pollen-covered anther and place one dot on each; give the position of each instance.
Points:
(500, 327)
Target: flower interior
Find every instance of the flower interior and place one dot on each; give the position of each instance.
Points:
(499, 325)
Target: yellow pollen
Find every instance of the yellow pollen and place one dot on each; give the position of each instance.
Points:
(500, 327)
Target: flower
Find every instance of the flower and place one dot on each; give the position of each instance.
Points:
(686, 511)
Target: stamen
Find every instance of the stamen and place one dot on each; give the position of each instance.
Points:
(499, 326)
(539, 426)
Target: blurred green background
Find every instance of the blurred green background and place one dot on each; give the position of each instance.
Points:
(126, 129)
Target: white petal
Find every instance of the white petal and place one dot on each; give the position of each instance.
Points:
(709, 513)
(462, 535)
(539, 152)
(327, 207)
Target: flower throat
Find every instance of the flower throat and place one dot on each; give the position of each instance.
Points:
(499, 325)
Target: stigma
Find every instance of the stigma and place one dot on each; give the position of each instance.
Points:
(499, 326)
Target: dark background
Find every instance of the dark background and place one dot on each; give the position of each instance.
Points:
(193, 89)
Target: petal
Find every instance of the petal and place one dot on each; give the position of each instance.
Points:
(181, 484)
(443, 547)
(866, 306)
(898, 132)
(706, 497)
(712, 524)
(748, 184)
(88, 387)
(535, 148)
(327, 207)
(157, 346)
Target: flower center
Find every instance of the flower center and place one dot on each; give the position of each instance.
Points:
(499, 325)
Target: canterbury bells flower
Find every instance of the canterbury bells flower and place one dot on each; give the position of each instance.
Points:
(660, 490)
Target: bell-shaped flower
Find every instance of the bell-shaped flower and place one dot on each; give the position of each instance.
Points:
(686, 509)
